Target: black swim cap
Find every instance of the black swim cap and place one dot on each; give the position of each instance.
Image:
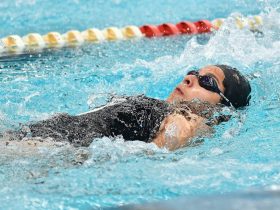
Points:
(237, 87)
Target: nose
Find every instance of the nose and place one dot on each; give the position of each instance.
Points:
(189, 80)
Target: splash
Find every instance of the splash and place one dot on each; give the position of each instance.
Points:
(240, 155)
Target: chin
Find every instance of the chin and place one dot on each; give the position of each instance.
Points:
(174, 98)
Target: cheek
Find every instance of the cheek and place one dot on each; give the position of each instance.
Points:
(204, 95)
(210, 97)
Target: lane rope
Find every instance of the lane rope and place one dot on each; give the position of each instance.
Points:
(35, 42)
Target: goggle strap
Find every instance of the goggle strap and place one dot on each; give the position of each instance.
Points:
(227, 100)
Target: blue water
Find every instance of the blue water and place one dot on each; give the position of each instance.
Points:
(241, 155)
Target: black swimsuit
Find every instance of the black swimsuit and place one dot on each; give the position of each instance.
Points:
(135, 118)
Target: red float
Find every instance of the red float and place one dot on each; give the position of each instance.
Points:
(203, 26)
(168, 29)
(150, 31)
(186, 27)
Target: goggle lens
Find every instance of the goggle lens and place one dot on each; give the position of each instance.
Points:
(206, 82)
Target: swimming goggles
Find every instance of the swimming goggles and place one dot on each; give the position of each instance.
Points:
(209, 83)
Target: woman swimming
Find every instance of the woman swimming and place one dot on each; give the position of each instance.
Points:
(189, 111)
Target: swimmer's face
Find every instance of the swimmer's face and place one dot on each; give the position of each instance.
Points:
(190, 89)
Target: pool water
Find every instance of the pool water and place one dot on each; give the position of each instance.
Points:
(241, 155)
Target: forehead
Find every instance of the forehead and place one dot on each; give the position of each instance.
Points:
(216, 71)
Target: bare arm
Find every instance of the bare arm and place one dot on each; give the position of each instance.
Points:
(176, 131)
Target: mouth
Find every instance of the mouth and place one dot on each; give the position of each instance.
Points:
(179, 91)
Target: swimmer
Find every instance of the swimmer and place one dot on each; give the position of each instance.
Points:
(189, 111)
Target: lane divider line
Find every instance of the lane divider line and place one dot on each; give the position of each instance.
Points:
(33, 42)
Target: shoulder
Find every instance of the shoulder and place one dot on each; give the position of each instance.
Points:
(176, 130)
